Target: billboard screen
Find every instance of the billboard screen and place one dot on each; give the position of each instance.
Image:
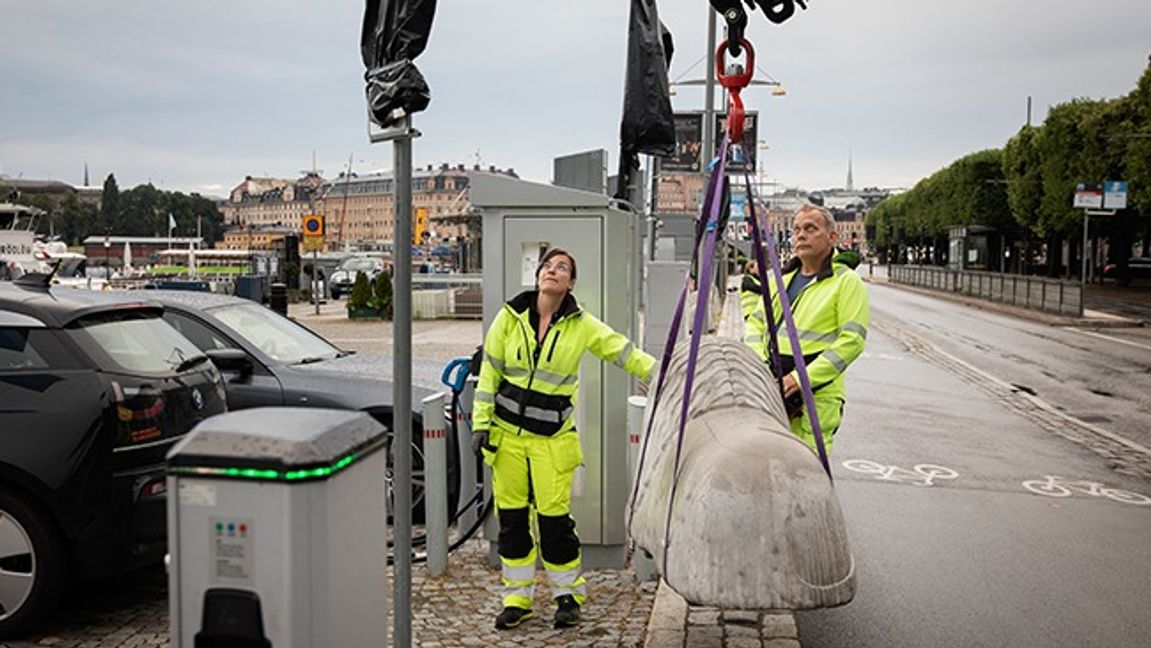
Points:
(689, 141)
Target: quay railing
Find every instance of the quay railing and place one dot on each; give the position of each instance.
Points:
(1025, 291)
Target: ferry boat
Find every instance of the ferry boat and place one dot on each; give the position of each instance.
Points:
(21, 252)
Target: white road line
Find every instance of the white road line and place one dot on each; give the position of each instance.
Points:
(1039, 402)
(1114, 339)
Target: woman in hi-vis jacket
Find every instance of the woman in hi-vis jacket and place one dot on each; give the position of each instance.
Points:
(524, 422)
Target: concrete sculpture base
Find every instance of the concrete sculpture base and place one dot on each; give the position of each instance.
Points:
(755, 523)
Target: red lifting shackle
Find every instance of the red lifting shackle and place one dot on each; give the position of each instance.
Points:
(733, 84)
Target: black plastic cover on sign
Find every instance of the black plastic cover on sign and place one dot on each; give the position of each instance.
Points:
(648, 125)
(395, 32)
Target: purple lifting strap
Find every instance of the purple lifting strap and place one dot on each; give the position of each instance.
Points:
(703, 285)
(710, 198)
(792, 334)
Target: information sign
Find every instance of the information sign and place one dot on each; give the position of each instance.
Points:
(1088, 196)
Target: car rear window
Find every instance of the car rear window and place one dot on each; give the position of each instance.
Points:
(133, 341)
(358, 265)
(17, 351)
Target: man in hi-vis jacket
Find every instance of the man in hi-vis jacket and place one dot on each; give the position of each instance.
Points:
(830, 307)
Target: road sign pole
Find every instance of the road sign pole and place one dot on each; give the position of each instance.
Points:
(1083, 272)
(316, 279)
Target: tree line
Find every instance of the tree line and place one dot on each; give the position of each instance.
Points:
(140, 211)
(1025, 189)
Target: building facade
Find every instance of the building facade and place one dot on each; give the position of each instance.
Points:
(359, 211)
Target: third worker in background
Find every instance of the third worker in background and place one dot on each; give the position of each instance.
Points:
(830, 307)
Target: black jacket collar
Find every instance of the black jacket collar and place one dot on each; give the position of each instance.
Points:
(526, 302)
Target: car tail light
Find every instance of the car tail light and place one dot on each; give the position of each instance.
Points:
(139, 411)
(154, 487)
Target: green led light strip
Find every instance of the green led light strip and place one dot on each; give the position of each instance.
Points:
(259, 474)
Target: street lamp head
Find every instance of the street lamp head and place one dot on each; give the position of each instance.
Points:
(778, 91)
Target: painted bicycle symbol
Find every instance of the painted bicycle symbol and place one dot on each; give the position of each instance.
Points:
(920, 474)
(1054, 486)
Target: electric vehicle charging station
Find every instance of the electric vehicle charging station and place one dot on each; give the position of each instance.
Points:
(521, 220)
(277, 531)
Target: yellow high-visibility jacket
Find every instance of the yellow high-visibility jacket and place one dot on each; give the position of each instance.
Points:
(750, 294)
(533, 387)
(831, 315)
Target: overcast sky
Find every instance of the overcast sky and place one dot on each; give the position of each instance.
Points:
(193, 96)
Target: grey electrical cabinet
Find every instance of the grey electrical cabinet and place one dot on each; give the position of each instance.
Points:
(276, 528)
(521, 220)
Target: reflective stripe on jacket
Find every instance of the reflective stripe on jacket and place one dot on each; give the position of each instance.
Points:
(831, 317)
(750, 295)
(525, 385)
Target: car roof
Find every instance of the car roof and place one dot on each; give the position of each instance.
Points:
(195, 299)
(58, 307)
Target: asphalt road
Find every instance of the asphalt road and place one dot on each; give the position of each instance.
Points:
(951, 548)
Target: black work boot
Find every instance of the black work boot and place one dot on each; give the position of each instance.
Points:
(512, 617)
(567, 615)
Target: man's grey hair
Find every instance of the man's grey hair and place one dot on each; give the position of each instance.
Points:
(828, 219)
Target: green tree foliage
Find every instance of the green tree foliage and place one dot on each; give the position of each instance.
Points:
(1082, 140)
(140, 212)
(382, 293)
(144, 210)
(1137, 157)
(971, 191)
(76, 219)
(1021, 173)
(109, 219)
(361, 292)
(1064, 161)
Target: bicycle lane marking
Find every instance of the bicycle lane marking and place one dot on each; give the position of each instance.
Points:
(919, 475)
(1055, 486)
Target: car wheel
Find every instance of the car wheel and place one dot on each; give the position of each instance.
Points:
(418, 481)
(335, 294)
(33, 565)
(419, 478)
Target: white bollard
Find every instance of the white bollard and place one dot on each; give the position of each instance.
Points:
(641, 561)
(635, 409)
(467, 463)
(436, 483)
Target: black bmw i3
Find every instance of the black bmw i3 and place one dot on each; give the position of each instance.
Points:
(94, 390)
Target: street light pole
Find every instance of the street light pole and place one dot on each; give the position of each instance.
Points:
(107, 251)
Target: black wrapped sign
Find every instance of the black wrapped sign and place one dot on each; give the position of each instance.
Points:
(395, 32)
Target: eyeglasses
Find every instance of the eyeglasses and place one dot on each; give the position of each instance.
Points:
(558, 266)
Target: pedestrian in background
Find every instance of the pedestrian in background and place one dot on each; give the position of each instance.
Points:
(524, 422)
(830, 306)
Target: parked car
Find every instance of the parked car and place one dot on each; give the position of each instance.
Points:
(1137, 268)
(270, 360)
(94, 390)
(340, 283)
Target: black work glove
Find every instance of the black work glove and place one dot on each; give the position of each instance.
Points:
(479, 442)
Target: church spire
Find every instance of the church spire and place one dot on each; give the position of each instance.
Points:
(850, 182)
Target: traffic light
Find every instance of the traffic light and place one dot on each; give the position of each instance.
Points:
(421, 226)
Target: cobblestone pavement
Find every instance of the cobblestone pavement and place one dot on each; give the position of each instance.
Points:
(456, 609)
(675, 624)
